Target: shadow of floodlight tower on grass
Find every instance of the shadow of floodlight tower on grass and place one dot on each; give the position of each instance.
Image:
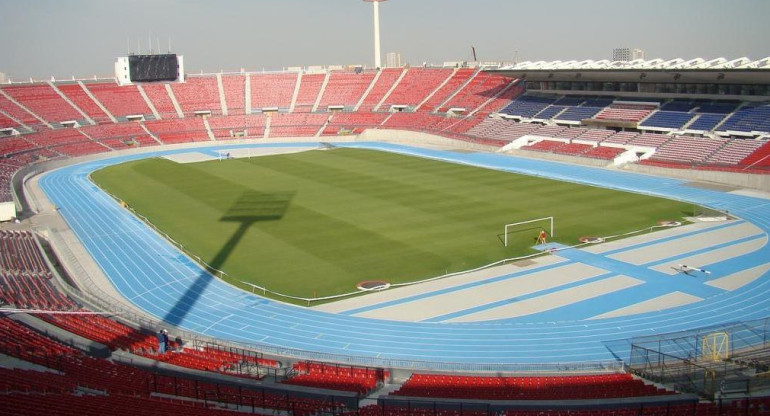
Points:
(251, 207)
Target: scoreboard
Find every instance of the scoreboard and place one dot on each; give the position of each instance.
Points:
(149, 68)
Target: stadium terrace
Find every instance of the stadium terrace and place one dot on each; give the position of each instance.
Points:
(608, 325)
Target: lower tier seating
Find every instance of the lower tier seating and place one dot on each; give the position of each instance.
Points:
(527, 388)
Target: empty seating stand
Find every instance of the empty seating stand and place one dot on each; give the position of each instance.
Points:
(272, 90)
(345, 88)
(42, 100)
(673, 120)
(527, 388)
(749, 119)
(527, 106)
(384, 83)
(78, 96)
(415, 86)
(235, 93)
(482, 87)
(119, 101)
(309, 88)
(252, 125)
(336, 377)
(625, 112)
(198, 94)
(460, 77)
(160, 99)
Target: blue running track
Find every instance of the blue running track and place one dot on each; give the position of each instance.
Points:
(149, 272)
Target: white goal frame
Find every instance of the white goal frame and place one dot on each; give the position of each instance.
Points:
(505, 230)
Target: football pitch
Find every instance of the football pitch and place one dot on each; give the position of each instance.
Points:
(316, 223)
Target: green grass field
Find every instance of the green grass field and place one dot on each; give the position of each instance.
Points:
(316, 223)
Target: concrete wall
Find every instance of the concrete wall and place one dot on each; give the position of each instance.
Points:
(421, 139)
(735, 179)
(7, 211)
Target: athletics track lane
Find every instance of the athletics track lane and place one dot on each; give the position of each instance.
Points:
(153, 275)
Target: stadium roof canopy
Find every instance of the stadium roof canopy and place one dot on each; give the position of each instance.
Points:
(640, 64)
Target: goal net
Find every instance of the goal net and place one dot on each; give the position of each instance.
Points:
(527, 229)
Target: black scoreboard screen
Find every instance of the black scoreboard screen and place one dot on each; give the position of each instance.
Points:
(148, 68)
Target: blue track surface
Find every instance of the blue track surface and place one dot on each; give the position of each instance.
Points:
(153, 275)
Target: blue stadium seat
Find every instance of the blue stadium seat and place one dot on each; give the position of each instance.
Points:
(528, 105)
(668, 119)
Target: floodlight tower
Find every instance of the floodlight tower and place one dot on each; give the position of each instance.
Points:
(376, 3)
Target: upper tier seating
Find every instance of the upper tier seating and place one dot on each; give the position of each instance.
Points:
(415, 86)
(706, 122)
(679, 105)
(345, 88)
(198, 94)
(309, 88)
(119, 101)
(550, 112)
(527, 388)
(439, 96)
(42, 100)
(77, 95)
(749, 119)
(502, 100)
(668, 119)
(527, 106)
(160, 100)
(272, 90)
(17, 112)
(388, 77)
(235, 91)
(14, 144)
(482, 88)
(6, 122)
(589, 108)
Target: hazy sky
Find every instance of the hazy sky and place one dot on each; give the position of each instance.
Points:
(65, 38)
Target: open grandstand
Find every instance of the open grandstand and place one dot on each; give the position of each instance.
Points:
(607, 329)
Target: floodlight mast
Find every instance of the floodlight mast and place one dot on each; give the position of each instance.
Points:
(377, 60)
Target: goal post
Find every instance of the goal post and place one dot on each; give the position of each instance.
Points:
(515, 224)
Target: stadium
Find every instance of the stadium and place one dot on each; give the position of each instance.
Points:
(526, 238)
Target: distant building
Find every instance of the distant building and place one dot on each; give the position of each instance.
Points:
(2, 78)
(393, 60)
(627, 54)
